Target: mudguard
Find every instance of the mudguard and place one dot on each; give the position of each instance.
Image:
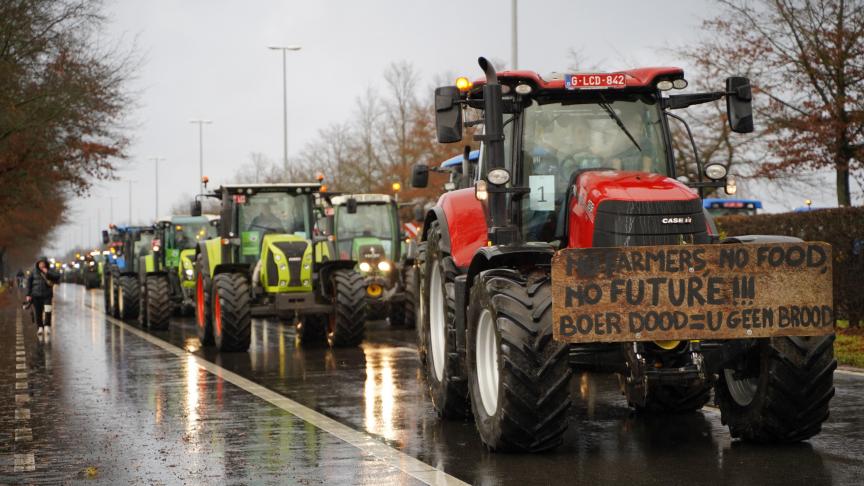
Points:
(186, 262)
(463, 227)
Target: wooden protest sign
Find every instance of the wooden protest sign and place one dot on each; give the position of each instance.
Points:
(646, 293)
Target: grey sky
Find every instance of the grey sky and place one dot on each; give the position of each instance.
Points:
(209, 59)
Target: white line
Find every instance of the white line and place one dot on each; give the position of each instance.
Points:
(20, 385)
(25, 462)
(20, 376)
(22, 414)
(20, 358)
(20, 366)
(19, 399)
(366, 443)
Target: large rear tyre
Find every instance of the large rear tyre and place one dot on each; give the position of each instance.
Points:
(348, 324)
(447, 385)
(519, 375)
(158, 302)
(128, 297)
(419, 303)
(779, 392)
(409, 305)
(232, 312)
(203, 306)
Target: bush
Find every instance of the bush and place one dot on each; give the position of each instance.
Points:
(843, 228)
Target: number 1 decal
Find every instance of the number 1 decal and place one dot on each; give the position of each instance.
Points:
(542, 197)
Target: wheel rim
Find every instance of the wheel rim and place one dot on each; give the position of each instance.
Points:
(487, 362)
(436, 322)
(199, 300)
(743, 390)
(217, 316)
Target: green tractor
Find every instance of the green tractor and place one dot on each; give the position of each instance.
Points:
(165, 275)
(273, 256)
(128, 247)
(367, 230)
(90, 270)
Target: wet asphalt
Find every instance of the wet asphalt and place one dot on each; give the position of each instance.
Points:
(106, 405)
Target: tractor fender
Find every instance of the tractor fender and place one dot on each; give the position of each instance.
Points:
(232, 268)
(211, 254)
(463, 225)
(524, 256)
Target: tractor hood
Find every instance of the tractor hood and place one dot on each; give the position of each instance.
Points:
(619, 208)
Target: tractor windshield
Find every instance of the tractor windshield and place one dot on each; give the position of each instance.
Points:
(275, 212)
(187, 235)
(562, 138)
(371, 225)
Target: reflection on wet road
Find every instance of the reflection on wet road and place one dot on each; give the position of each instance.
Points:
(142, 408)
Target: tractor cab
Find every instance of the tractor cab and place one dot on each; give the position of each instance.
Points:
(180, 237)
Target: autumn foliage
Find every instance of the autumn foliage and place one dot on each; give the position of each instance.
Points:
(62, 103)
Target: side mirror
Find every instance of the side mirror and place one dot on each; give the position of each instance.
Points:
(351, 205)
(448, 114)
(105, 238)
(420, 176)
(195, 210)
(739, 107)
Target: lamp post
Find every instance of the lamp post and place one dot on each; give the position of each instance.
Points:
(284, 50)
(130, 202)
(156, 178)
(514, 38)
(201, 124)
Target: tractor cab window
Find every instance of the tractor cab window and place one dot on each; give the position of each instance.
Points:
(188, 235)
(369, 229)
(143, 245)
(562, 138)
(274, 212)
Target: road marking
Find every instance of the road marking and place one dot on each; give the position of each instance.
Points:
(850, 372)
(19, 353)
(23, 434)
(22, 399)
(22, 414)
(19, 376)
(20, 366)
(20, 385)
(20, 359)
(366, 443)
(25, 462)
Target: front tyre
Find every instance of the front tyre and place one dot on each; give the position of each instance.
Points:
(348, 325)
(779, 392)
(519, 376)
(158, 302)
(232, 312)
(128, 297)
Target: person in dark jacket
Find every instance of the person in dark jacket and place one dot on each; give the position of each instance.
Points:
(40, 292)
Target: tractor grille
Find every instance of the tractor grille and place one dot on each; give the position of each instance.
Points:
(293, 252)
(637, 223)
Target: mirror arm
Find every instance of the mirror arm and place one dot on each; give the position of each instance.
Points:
(676, 102)
(695, 150)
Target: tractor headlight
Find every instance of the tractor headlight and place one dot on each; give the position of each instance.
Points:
(384, 266)
(283, 283)
(187, 264)
(365, 267)
(715, 172)
(189, 273)
(499, 177)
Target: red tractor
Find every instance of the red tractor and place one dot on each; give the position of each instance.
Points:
(578, 247)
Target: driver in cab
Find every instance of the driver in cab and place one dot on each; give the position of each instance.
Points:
(267, 222)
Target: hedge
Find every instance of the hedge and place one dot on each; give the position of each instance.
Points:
(843, 228)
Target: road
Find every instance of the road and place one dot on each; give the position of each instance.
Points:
(102, 401)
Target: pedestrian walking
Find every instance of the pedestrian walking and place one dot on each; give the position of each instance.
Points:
(40, 293)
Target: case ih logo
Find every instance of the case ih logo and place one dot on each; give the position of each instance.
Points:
(683, 220)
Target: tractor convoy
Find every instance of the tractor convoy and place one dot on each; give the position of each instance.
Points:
(566, 243)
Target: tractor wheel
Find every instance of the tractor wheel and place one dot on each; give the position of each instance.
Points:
(203, 316)
(349, 318)
(232, 312)
(519, 375)
(106, 290)
(448, 387)
(409, 305)
(312, 330)
(419, 303)
(128, 297)
(113, 290)
(158, 302)
(780, 391)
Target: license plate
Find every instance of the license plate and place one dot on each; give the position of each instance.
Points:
(684, 292)
(240, 198)
(595, 81)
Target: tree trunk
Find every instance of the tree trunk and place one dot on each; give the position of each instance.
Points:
(843, 196)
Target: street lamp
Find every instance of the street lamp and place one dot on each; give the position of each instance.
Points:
(130, 201)
(200, 124)
(514, 39)
(156, 164)
(284, 50)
